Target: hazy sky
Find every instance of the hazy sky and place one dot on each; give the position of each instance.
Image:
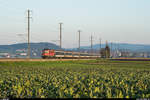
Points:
(125, 21)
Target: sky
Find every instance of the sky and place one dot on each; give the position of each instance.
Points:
(118, 21)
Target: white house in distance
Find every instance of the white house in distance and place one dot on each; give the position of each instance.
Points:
(4, 55)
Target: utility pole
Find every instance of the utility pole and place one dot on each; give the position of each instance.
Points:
(79, 42)
(91, 45)
(111, 50)
(28, 33)
(60, 35)
(60, 26)
(107, 53)
(79, 39)
(100, 41)
(118, 46)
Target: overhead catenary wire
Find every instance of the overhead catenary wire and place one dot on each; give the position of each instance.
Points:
(52, 40)
(4, 4)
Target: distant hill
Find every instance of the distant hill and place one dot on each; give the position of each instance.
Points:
(38, 47)
(14, 47)
(35, 48)
(131, 47)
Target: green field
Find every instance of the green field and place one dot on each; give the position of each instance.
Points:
(78, 79)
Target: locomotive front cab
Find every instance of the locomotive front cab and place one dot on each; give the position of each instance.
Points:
(48, 53)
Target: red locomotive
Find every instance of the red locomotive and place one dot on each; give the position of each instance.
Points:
(48, 53)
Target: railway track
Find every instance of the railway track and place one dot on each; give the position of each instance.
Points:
(130, 59)
(69, 59)
(24, 59)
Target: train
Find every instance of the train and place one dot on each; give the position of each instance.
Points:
(51, 53)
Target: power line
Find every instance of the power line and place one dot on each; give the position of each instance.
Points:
(22, 36)
(4, 4)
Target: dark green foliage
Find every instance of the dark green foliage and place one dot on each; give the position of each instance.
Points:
(84, 78)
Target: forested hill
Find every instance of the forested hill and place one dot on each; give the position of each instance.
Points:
(131, 47)
(39, 46)
(36, 46)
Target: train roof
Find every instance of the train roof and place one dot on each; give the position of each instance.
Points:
(47, 49)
